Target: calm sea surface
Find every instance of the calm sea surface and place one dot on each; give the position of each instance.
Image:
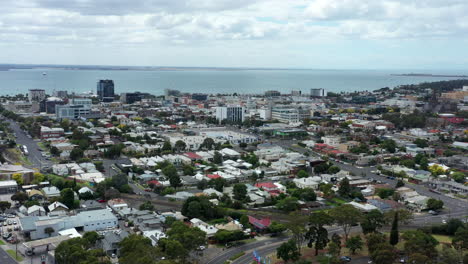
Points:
(210, 81)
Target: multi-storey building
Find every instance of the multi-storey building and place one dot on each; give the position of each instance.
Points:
(105, 90)
(231, 114)
(318, 92)
(36, 95)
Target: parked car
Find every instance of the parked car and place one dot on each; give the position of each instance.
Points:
(345, 259)
(6, 235)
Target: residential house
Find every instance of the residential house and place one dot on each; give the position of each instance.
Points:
(50, 192)
(57, 208)
(208, 229)
(260, 225)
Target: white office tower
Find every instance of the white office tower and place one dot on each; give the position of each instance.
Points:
(318, 92)
(232, 114)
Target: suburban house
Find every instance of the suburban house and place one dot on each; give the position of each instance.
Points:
(259, 225)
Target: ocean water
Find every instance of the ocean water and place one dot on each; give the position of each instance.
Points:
(210, 81)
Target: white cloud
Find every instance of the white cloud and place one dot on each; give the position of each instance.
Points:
(227, 23)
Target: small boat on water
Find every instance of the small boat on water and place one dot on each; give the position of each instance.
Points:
(44, 73)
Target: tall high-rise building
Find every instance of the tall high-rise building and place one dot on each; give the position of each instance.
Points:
(36, 95)
(318, 92)
(232, 114)
(105, 90)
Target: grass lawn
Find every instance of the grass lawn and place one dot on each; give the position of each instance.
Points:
(12, 253)
(1, 242)
(338, 200)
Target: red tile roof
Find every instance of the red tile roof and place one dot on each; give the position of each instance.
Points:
(213, 176)
(268, 185)
(259, 223)
(193, 155)
(155, 182)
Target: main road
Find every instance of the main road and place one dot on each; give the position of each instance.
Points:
(22, 138)
(267, 247)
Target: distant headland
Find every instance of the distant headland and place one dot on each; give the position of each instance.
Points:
(430, 75)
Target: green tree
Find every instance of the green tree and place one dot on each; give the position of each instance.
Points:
(394, 233)
(175, 181)
(276, 227)
(288, 251)
(416, 241)
(49, 230)
(389, 145)
(399, 184)
(354, 243)
(191, 238)
(449, 255)
(317, 233)
(180, 145)
(217, 158)
(4, 205)
(76, 154)
(460, 239)
(244, 221)
(345, 188)
(188, 170)
(333, 169)
(421, 143)
(67, 197)
(434, 204)
(54, 151)
(384, 193)
(372, 221)
(459, 177)
(208, 143)
(202, 185)
(302, 174)
(137, 249)
(173, 248)
(147, 206)
(345, 216)
(384, 253)
(288, 204)
(240, 192)
(20, 197)
(166, 147)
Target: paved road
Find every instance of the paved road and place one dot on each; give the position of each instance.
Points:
(35, 155)
(266, 248)
(5, 258)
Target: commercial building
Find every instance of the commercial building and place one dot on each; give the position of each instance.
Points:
(71, 111)
(34, 226)
(105, 90)
(296, 92)
(318, 92)
(130, 98)
(36, 95)
(22, 107)
(199, 97)
(289, 115)
(272, 93)
(61, 94)
(48, 105)
(55, 132)
(8, 187)
(232, 114)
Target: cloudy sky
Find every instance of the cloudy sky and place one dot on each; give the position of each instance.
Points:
(412, 34)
